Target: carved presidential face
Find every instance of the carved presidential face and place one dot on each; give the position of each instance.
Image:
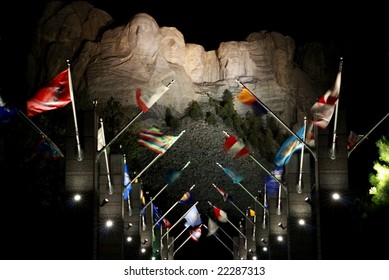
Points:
(143, 35)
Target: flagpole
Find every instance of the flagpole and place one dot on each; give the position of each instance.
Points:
(237, 208)
(365, 136)
(278, 119)
(299, 186)
(332, 150)
(177, 237)
(279, 202)
(256, 200)
(106, 159)
(264, 212)
(80, 156)
(125, 128)
(33, 125)
(174, 205)
(151, 200)
(220, 241)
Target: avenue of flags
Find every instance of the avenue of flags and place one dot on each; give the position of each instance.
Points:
(58, 93)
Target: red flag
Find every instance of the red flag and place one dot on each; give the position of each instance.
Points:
(220, 214)
(53, 96)
(324, 107)
(222, 192)
(234, 147)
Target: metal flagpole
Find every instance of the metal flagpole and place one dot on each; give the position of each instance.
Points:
(127, 126)
(106, 159)
(227, 235)
(220, 241)
(80, 155)
(264, 212)
(299, 185)
(278, 119)
(174, 205)
(279, 201)
(164, 187)
(333, 150)
(365, 136)
(27, 119)
(237, 208)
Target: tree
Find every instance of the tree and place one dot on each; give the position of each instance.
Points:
(380, 179)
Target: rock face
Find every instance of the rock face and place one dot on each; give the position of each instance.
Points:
(114, 61)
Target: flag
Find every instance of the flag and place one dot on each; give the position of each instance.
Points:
(234, 147)
(271, 184)
(53, 96)
(195, 233)
(186, 198)
(157, 216)
(220, 214)
(212, 227)
(353, 139)
(251, 212)
(193, 218)
(225, 195)
(126, 181)
(155, 140)
(324, 107)
(173, 175)
(247, 98)
(100, 138)
(47, 150)
(236, 179)
(290, 145)
(146, 100)
(166, 223)
(6, 113)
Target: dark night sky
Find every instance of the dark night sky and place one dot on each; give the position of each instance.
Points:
(359, 33)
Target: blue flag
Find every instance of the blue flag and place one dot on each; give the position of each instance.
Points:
(290, 145)
(126, 181)
(236, 179)
(6, 113)
(157, 216)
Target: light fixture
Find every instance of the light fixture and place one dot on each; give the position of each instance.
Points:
(264, 249)
(109, 223)
(105, 201)
(301, 222)
(308, 200)
(263, 241)
(129, 239)
(280, 238)
(145, 241)
(129, 226)
(281, 226)
(77, 197)
(336, 196)
(143, 250)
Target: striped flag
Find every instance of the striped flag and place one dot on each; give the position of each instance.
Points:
(155, 140)
(234, 147)
(193, 218)
(245, 97)
(290, 145)
(225, 195)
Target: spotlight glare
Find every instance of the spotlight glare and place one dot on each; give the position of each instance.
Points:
(77, 197)
(109, 223)
(301, 222)
(335, 196)
(129, 239)
(143, 250)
